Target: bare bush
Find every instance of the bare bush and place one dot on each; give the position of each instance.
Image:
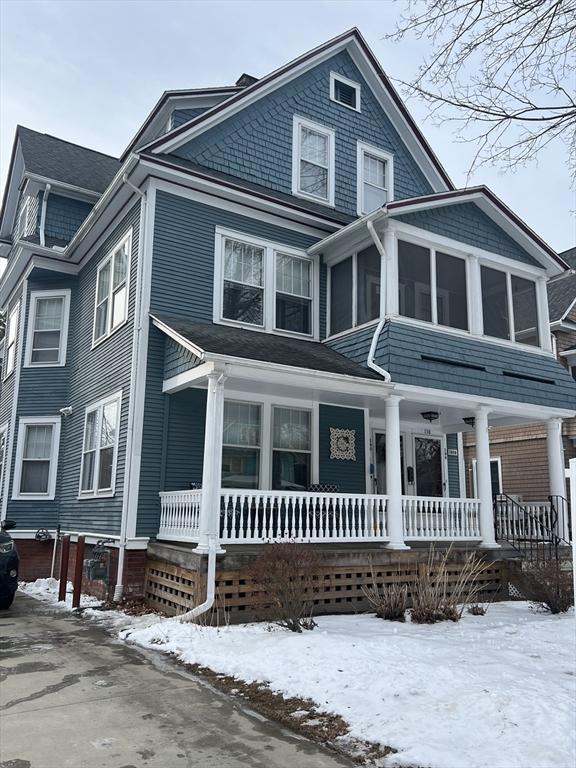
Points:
(388, 601)
(547, 585)
(436, 598)
(286, 573)
(477, 609)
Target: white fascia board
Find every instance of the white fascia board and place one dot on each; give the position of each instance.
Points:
(197, 351)
(336, 239)
(61, 187)
(187, 378)
(11, 204)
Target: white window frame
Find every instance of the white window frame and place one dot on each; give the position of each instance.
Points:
(98, 406)
(23, 423)
(110, 331)
(34, 296)
(258, 447)
(298, 124)
(354, 289)
(334, 76)
(509, 296)
(367, 149)
(22, 226)
(13, 318)
(269, 284)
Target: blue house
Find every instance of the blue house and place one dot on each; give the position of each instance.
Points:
(273, 317)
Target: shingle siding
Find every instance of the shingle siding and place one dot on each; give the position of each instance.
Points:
(178, 359)
(256, 144)
(64, 215)
(181, 116)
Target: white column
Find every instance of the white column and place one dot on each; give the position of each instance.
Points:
(483, 479)
(543, 315)
(391, 274)
(394, 475)
(556, 471)
(212, 468)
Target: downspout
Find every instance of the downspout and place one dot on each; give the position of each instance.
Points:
(43, 214)
(372, 353)
(210, 584)
(119, 586)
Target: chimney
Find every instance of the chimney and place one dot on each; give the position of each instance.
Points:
(245, 80)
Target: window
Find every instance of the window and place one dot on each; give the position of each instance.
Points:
(345, 92)
(241, 445)
(112, 291)
(11, 339)
(355, 290)
(509, 306)
(375, 178)
(262, 284)
(432, 286)
(495, 476)
(313, 161)
(100, 447)
(22, 228)
(291, 449)
(48, 328)
(37, 457)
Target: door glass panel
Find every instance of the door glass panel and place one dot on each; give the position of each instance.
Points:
(428, 463)
(380, 462)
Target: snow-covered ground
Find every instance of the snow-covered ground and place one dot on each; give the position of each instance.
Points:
(493, 691)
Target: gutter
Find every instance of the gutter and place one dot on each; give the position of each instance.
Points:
(372, 353)
(43, 214)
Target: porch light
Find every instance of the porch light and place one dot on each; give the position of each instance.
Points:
(430, 415)
(469, 421)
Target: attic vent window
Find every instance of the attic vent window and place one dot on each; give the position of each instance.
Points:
(345, 92)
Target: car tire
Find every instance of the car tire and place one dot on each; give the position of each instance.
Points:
(6, 602)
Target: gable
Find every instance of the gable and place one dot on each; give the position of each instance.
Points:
(256, 144)
(466, 223)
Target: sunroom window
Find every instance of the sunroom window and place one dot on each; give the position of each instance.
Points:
(525, 306)
(509, 306)
(355, 290)
(241, 445)
(291, 449)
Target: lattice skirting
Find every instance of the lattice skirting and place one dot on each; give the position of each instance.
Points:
(338, 589)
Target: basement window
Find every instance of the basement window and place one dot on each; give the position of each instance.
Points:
(345, 92)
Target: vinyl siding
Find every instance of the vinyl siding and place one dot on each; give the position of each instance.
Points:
(178, 359)
(453, 466)
(349, 475)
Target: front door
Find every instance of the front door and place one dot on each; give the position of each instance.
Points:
(428, 465)
(380, 462)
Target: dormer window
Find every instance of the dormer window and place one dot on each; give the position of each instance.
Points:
(375, 178)
(345, 92)
(313, 161)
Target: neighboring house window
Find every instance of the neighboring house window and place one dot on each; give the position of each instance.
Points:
(48, 328)
(509, 307)
(432, 286)
(375, 178)
(313, 161)
(11, 340)
(495, 476)
(355, 290)
(112, 290)
(37, 457)
(291, 449)
(241, 445)
(100, 447)
(344, 91)
(264, 285)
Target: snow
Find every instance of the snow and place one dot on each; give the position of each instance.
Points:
(47, 591)
(493, 691)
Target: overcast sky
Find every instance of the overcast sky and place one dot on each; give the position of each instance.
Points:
(90, 72)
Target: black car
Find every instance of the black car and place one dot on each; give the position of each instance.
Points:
(9, 562)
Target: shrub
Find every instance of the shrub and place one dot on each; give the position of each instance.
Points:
(435, 599)
(286, 574)
(477, 609)
(547, 585)
(388, 601)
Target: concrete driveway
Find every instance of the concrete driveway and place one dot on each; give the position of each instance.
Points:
(72, 696)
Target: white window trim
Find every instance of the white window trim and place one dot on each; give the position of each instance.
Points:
(298, 124)
(247, 447)
(34, 296)
(269, 288)
(14, 316)
(511, 322)
(111, 331)
(96, 406)
(23, 423)
(354, 288)
(22, 226)
(361, 149)
(334, 76)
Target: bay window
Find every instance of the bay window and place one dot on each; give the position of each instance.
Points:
(37, 457)
(509, 306)
(355, 290)
(100, 447)
(111, 306)
(313, 161)
(241, 445)
(291, 449)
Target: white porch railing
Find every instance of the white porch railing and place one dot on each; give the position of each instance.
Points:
(524, 520)
(180, 515)
(437, 518)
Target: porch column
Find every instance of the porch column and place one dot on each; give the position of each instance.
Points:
(484, 481)
(556, 471)
(212, 467)
(394, 475)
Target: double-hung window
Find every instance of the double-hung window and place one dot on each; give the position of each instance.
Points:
(100, 447)
(37, 457)
(11, 340)
(241, 445)
(243, 282)
(111, 309)
(291, 449)
(509, 306)
(375, 178)
(313, 161)
(293, 294)
(47, 328)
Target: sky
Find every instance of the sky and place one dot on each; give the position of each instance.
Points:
(90, 71)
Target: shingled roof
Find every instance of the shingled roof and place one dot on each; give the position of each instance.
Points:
(562, 290)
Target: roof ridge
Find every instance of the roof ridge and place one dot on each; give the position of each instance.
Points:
(66, 141)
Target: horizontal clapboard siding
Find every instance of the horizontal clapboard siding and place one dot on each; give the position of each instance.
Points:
(453, 462)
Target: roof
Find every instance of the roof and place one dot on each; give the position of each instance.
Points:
(569, 256)
(265, 347)
(54, 158)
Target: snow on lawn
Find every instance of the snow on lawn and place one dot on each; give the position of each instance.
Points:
(47, 591)
(493, 691)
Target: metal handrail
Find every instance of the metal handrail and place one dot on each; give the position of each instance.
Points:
(541, 545)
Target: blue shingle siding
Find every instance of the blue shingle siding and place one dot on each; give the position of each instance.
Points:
(64, 215)
(256, 144)
(453, 462)
(183, 253)
(468, 224)
(178, 359)
(499, 371)
(181, 116)
(349, 475)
